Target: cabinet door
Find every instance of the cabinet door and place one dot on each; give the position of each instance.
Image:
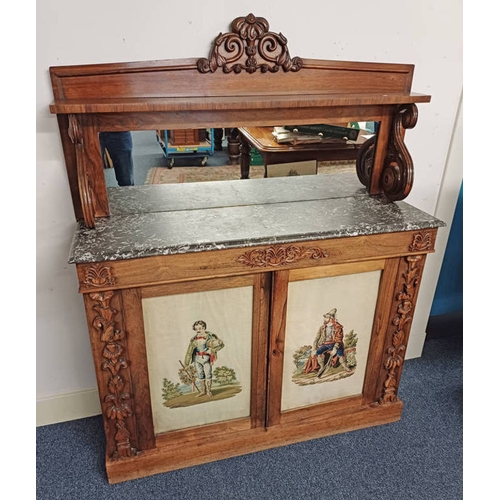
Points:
(203, 343)
(321, 326)
(169, 387)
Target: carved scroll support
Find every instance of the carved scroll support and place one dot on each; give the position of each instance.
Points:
(249, 47)
(364, 161)
(397, 174)
(401, 322)
(116, 401)
(76, 136)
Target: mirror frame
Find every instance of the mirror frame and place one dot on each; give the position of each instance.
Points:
(249, 79)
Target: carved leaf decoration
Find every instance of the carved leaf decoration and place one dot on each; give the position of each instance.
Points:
(99, 275)
(125, 396)
(389, 363)
(114, 367)
(112, 351)
(107, 313)
(111, 412)
(421, 242)
(277, 256)
(113, 362)
(397, 338)
(118, 413)
(102, 298)
(127, 411)
(116, 384)
(107, 331)
(390, 385)
(395, 353)
(250, 27)
(404, 309)
(219, 60)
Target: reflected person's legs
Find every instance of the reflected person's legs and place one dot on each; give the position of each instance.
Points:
(119, 146)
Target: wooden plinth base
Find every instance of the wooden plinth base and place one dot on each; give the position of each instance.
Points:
(168, 458)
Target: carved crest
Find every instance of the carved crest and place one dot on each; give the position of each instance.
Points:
(277, 256)
(249, 47)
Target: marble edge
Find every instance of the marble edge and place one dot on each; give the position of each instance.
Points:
(143, 252)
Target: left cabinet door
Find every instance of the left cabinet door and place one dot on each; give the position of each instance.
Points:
(205, 347)
(180, 364)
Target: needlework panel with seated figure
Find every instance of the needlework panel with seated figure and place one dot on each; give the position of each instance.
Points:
(328, 331)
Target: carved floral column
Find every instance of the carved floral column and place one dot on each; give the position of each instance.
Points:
(405, 298)
(110, 356)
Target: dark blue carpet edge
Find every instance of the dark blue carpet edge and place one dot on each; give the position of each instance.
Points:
(419, 457)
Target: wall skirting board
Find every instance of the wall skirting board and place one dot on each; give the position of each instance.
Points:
(65, 407)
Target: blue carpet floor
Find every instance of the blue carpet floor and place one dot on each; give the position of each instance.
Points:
(419, 457)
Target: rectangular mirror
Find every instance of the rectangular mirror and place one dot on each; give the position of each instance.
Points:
(149, 157)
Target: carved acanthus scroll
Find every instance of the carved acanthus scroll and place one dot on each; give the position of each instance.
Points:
(277, 256)
(249, 47)
(117, 407)
(402, 321)
(397, 175)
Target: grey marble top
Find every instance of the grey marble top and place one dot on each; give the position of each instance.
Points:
(193, 217)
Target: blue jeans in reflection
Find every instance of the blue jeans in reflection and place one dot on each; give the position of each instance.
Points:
(119, 147)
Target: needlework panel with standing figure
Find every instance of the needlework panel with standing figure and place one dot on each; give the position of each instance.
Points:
(199, 356)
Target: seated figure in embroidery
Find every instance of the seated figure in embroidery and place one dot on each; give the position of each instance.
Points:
(328, 346)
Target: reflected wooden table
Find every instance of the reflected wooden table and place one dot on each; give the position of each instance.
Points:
(262, 139)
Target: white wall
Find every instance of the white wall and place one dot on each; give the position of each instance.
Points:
(425, 33)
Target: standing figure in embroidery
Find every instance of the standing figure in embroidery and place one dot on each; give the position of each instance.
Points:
(202, 352)
(328, 345)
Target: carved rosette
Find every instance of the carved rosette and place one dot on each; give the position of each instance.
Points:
(421, 242)
(277, 256)
(114, 361)
(402, 321)
(397, 175)
(98, 275)
(249, 47)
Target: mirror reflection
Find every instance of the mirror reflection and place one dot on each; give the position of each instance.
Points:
(207, 154)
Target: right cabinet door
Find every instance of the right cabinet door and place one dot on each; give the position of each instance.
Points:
(327, 337)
